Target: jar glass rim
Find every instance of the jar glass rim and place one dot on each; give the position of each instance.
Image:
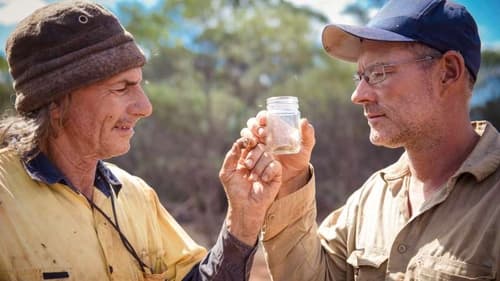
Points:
(282, 99)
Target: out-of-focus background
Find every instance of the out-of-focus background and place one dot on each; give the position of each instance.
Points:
(211, 66)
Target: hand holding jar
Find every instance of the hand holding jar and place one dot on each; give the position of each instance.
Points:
(288, 137)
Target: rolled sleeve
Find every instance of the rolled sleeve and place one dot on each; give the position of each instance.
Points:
(290, 209)
(291, 243)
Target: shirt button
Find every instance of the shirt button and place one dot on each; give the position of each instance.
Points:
(270, 218)
(402, 248)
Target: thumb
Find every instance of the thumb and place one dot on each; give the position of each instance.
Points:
(232, 157)
(308, 136)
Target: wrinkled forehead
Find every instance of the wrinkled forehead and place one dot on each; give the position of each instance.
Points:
(133, 75)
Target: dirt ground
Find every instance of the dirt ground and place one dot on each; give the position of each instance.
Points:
(259, 270)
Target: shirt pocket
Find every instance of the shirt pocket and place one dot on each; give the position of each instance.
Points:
(368, 265)
(444, 269)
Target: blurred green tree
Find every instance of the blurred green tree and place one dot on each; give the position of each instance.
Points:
(486, 98)
(6, 91)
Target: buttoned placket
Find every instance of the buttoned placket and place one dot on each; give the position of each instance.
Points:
(402, 249)
(111, 245)
(103, 232)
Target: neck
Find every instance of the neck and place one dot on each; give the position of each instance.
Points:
(77, 168)
(435, 163)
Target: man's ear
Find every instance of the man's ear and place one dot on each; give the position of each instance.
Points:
(452, 67)
(58, 111)
(54, 111)
(55, 115)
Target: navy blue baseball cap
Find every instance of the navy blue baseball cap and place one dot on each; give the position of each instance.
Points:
(440, 24)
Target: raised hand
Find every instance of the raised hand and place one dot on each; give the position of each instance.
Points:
(295, 166)
(251, 178)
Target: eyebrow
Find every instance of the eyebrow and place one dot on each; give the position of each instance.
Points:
(377, 63)
(126, 82)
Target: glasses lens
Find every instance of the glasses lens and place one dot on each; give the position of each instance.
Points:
(375, 74)
(356, 77)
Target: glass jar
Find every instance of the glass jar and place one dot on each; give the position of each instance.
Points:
(283, 124)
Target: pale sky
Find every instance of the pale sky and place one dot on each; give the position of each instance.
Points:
(332, 9)
(12, 11)
(484, 11)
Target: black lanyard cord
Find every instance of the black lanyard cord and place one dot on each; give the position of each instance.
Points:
(124, 239)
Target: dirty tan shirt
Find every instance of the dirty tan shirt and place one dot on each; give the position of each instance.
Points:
(454, 236)
(49, 231)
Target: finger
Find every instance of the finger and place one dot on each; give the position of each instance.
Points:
(262, 118)
(253, 156)
(247, 143)
(234, 160)
(251, 123)
(230, 163)
(232, 156)
(250, 139)
(261, 129)
(261, 165)
(246, 133)
(261, 133)
(272, 172)
(254, 127)
(308, 136)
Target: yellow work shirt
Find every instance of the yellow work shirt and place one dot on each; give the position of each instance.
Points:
(49, 231)
(454, 236)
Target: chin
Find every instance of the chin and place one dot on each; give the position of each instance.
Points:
(379, 140)
(116, 151)
(376, 138)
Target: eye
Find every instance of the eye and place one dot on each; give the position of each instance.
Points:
(376, 75)
(119, 91)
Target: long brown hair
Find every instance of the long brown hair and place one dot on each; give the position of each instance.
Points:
(29, 134)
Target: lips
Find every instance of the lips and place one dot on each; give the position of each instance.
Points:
(124, 126)
(373, 115)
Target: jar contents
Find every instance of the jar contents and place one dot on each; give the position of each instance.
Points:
(283, 124)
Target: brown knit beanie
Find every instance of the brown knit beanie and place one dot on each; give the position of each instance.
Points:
(65, 46)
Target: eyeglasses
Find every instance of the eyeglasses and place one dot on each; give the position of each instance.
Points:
(377, 73)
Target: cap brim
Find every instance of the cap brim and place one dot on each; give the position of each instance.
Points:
(344, 41)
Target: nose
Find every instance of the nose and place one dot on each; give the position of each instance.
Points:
(363, 93)
(141, 106)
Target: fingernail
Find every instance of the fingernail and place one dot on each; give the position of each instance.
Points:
(248, 163)
(245, 142)
(265, 177)
(260, 131)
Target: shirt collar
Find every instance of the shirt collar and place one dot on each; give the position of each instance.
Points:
(40, 168)
(397, 170)
(485, 157)
(483, 160)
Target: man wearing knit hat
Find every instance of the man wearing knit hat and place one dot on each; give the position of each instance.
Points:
(432, 215)
(67, 215)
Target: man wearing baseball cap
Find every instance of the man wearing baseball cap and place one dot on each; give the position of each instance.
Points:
(65, 214)
(435, 213)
